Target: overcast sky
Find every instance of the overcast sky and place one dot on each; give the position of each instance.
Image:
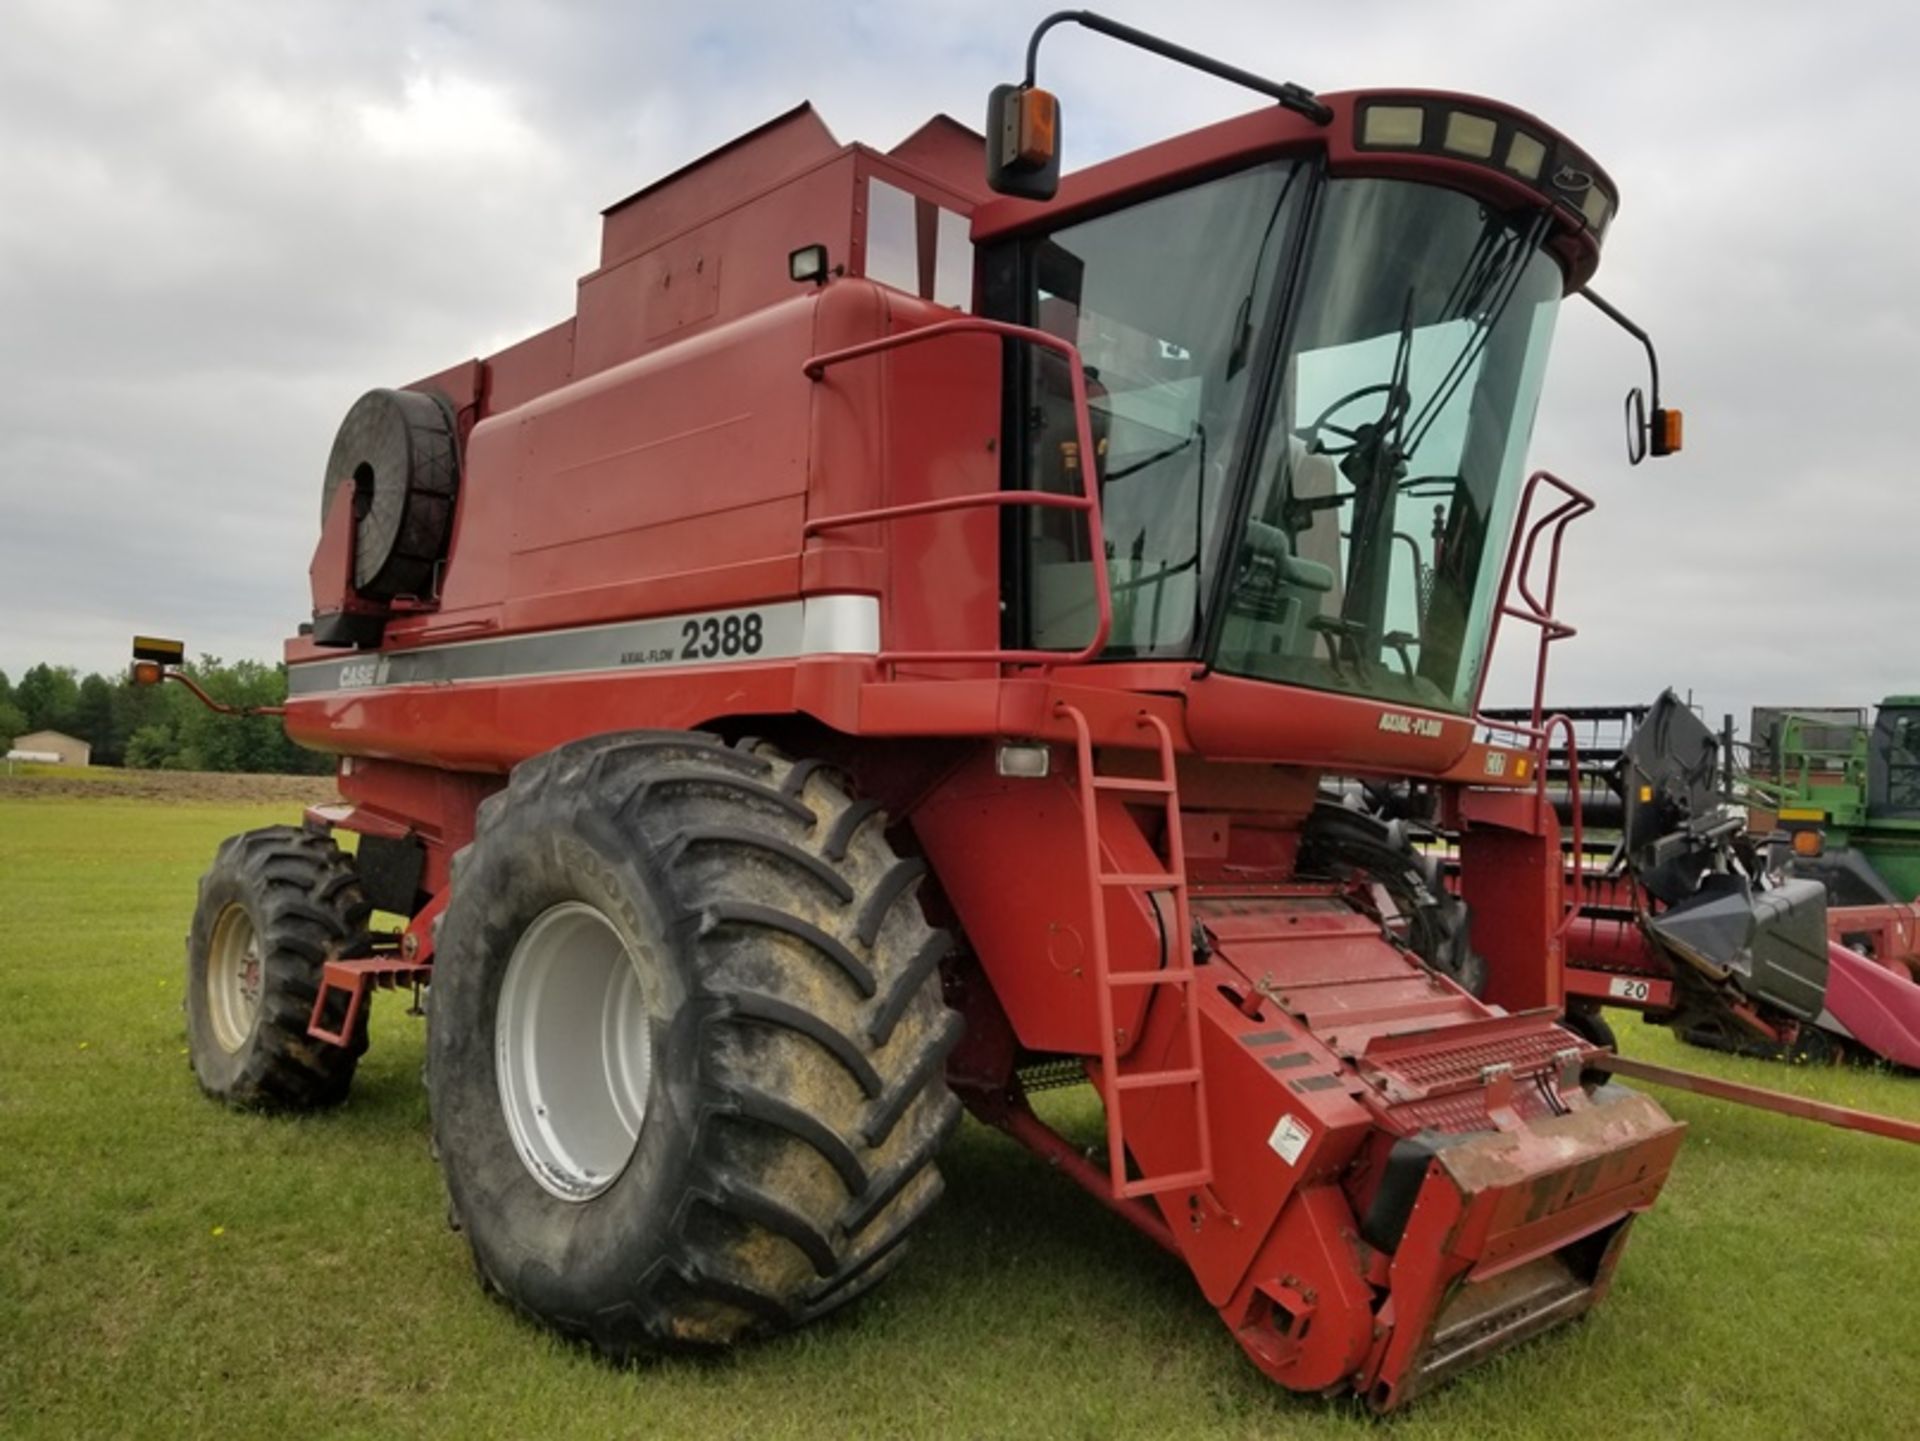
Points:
(221, 222)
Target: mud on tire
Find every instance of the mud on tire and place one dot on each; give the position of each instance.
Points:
(275, 906)
(794, 1096)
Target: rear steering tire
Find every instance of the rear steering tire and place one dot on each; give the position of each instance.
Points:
(275, 907)
(686, 1056)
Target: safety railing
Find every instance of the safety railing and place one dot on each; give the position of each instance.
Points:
(1088, 501)
(1534, 606)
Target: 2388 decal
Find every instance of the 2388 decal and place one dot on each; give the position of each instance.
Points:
(708, 638)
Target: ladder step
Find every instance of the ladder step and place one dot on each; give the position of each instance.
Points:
(1180, 1069)
(1171, 976)
(1149, 1185)
(1132, 785)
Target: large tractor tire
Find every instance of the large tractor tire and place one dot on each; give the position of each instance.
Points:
(399, 451)
(276, 905)
(686, 1048)
(1350, 845)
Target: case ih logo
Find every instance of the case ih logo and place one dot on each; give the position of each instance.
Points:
(1400, 723)
(1574, 182)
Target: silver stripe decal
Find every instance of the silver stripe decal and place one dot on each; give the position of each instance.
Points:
(785, 630)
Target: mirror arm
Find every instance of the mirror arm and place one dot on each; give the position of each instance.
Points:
(1293, 97)
(1619, 318)
(1657, 433)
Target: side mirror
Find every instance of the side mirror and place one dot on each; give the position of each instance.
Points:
(1023, 121)
(152, 656)
(1023, 142)
(1662, 435)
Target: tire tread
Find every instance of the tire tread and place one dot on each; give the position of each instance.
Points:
(824, 1034)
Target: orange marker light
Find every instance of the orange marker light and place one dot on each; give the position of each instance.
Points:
(1039, 127)
(146, 672)
(1807, 843)
(1666, 431)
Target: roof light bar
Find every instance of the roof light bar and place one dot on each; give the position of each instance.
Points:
(1597, 206)
(1525, 155)
(1550, 165)
(1396, 127)
(1470, 134)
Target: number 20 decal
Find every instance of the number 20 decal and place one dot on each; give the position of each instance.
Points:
(709, 638)
(1629, 990)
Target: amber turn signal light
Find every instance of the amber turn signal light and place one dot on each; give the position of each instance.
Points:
(1668, 426)
(1023, 141)
(1039, 128)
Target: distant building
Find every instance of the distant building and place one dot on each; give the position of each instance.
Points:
(53, 746)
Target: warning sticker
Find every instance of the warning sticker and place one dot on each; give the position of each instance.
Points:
(1290, 1138)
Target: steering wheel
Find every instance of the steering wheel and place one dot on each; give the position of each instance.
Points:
(1309, 434)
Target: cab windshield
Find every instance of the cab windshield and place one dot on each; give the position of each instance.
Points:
(1324, 507)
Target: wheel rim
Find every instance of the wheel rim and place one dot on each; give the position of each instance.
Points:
(574, 1051)
(234, 973)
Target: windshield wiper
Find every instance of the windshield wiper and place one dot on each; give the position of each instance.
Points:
(1374, 467)
(1238, 356)
(1379, 461)
(1491, 292)
(1149, 461)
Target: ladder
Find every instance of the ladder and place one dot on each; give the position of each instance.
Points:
(1178, 971)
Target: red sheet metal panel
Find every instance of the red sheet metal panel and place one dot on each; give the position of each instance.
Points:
(784, 146)
(1879, 1006)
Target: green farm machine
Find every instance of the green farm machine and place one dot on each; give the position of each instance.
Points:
(1843, 797)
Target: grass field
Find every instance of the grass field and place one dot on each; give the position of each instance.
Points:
(170, 1269)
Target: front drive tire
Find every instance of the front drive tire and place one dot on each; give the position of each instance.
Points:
(687, 1046)
(275, 907)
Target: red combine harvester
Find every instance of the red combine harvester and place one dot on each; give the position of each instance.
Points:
(882, 654)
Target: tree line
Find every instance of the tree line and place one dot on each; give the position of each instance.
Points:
(161, 727)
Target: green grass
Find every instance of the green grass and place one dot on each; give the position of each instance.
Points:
(40, 770)
(171, 1269)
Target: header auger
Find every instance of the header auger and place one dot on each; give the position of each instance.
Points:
(889, 642)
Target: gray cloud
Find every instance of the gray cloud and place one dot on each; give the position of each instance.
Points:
(220, 223)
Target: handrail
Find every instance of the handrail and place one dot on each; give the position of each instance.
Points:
(1575, 804)
(1088, 500)
(1537, 610)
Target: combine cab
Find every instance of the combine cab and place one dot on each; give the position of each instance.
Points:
(886, 647)
(1842, 797)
